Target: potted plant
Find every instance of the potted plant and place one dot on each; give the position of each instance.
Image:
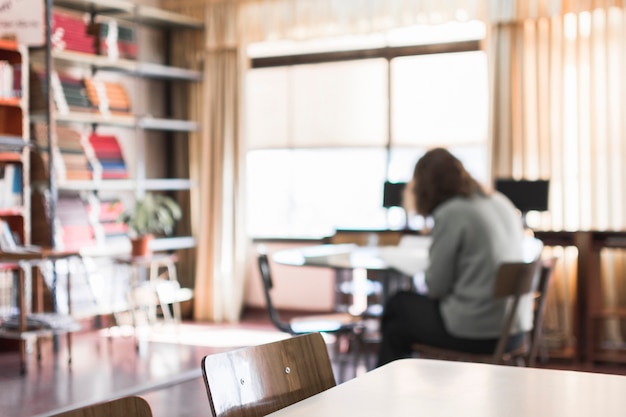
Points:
(154, 214)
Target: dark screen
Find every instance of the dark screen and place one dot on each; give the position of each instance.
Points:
(392, 194)
(525, 194)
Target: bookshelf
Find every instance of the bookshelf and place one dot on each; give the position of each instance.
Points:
(22, 319)
(113, 87)
(14, 139)
(118, 82)
(14, 168)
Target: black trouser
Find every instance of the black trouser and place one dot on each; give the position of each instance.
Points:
(414, 318)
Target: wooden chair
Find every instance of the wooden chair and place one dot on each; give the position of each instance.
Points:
(347, 328)
(343, 325)
(514, 280)
(258, 380)
(543, 288)
(131, 406)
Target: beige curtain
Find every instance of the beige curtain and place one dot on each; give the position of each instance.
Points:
(216, 164)
(304, 19)
(559, 108)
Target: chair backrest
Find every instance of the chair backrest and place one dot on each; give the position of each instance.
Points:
(547, 270)
(131, 406)
(258, 380)
(513, 280)
(268, 284)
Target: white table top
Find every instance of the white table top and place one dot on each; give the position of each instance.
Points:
(406, 259)
(422, 387)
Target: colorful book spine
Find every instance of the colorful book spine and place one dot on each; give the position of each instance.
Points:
(69, 32)
(109, 154)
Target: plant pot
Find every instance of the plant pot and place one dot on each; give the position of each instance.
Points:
(140, 246)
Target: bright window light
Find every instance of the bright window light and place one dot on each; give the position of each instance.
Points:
(323, 138)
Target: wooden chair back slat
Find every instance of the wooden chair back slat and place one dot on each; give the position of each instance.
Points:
(259, 380)
(543, 287)
(513, 280)
(131, 406)
(516, 278)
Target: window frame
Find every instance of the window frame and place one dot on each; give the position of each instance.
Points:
(387, 52)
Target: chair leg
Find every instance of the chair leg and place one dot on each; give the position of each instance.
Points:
(358, 342)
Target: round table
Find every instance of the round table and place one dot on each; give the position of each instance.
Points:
(361, 270)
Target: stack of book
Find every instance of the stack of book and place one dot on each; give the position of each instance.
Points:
(69, 92)
(109, 97)
(76, 230)
(11, 185)
(75, 93)
(113, 40)
(10, 79)
(69, 32)
(108, 152)
(107, 212)
(74, 163)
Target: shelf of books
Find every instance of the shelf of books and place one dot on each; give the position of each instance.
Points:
(102, 129)
(97, 64)
(128, 10)
(14, 139)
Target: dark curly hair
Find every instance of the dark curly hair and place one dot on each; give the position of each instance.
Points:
(439, 176)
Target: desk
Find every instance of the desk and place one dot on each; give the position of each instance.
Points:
(342, 256)
(588, 309)
(353, 262)
(444, 388)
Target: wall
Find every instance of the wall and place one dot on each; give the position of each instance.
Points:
(295, 288)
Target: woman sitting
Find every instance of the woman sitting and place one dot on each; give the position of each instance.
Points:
(473, 233)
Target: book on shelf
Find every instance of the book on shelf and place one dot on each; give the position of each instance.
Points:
(73, 92)
(108, 152)
(74, 161)
(76, 230)
(109, 97)
(69, 32)
(11, 185)
(10, 242)
(104, 214)
(68, 92)
(17, 80)
(10, 79)
(107, 210)
(114, 40)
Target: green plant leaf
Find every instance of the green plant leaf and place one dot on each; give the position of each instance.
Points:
(154, 214)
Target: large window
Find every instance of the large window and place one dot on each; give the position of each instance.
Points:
(325, 130)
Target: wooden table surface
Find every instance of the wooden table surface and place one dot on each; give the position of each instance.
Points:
(422, 387)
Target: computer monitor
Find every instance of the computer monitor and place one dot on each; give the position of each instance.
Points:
(526, 195)
(392, 194)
